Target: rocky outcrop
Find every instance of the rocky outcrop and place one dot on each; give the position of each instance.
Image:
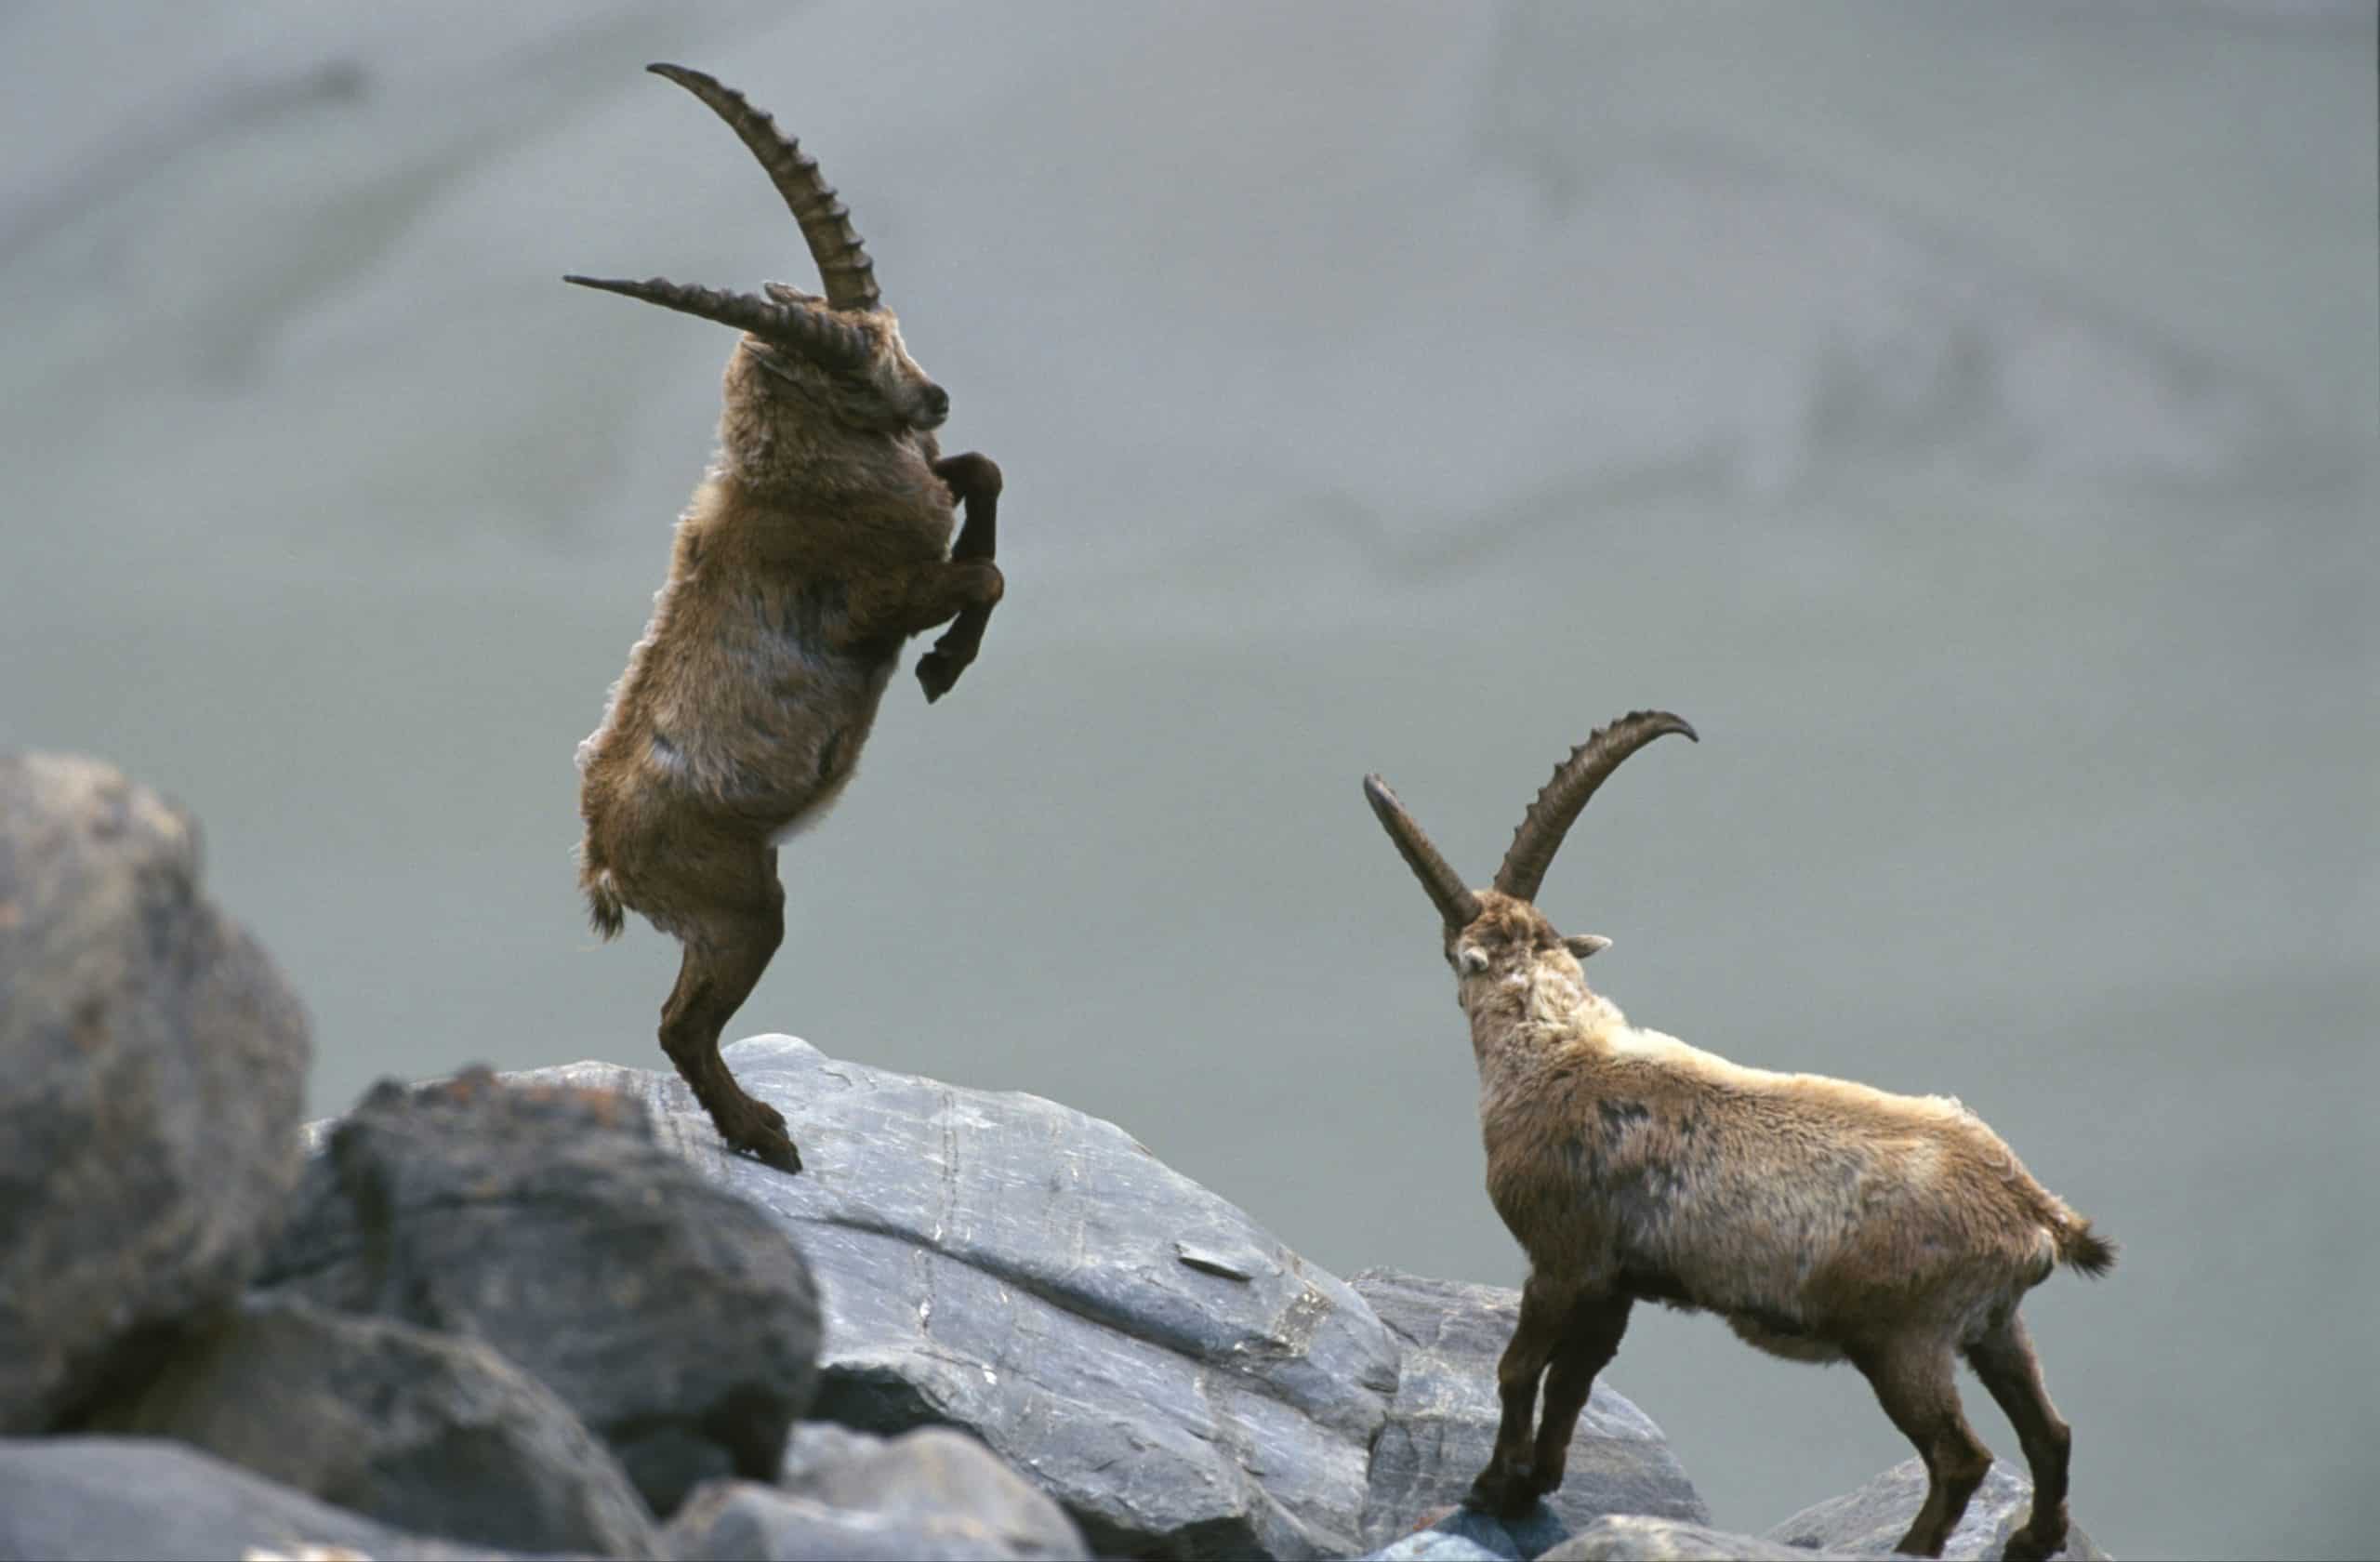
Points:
(1152, 1357)
(434, 1434)
(935, 1495)
(547, 1222)
(1442, 1422)
(147, 1113)
(1867, 1521)
(103, 1499)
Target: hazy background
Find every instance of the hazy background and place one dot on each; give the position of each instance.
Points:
(1967, 414)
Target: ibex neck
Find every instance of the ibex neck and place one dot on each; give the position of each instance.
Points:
(1517, 1019)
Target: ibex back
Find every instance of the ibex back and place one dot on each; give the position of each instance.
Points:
(819, 542)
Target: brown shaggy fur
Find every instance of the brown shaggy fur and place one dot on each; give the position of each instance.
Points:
(1825, 1220)
(817, 545)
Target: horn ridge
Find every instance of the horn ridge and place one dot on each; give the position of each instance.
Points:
(1456, 904)
(1575, 780)
(835, 244)
(821, 338)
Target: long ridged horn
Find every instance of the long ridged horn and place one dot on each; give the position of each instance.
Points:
(835, 244)
(1575, 780)
(1456, 904)
(814, 336)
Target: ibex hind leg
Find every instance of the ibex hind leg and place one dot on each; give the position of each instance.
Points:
(728, 945)
(2004, 1358)
(1914, 1382)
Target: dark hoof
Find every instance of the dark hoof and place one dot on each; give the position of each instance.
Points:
(2023, 1547)
(1507, 1493)
(771, 1147)
(757, 1129)
(937, 673)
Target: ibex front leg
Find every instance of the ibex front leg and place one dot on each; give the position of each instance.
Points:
(1511, 1484)
(974, 480)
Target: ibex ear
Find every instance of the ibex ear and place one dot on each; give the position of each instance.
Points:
(1581, 944)
(1472, 958)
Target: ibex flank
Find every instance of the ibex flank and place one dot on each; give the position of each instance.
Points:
(817, 544)
(1824, 1219)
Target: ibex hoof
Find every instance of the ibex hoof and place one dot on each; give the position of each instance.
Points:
(771, 1147)
(2024, 1547)
(759, 1131)
(937, 673)
(1504, 1490)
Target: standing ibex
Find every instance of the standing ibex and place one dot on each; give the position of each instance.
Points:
(819, 543)
(1823, 1219)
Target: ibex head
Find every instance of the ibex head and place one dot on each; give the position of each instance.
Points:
(1489, 930)
(842, 353)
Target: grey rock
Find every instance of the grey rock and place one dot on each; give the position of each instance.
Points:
(100, 1499)
(1868, 1520)
(932, 1494)
(155, 1064)
(1634, 1538)
(1511, 1539)
(1135, 1346)
(1442, 1422)
(1434, 1546)
(672, 1316)
(422, 1432)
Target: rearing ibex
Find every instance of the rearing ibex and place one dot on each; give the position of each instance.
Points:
(817, 544)
(1823, 1219)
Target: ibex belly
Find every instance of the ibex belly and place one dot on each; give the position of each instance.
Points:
(779, 734)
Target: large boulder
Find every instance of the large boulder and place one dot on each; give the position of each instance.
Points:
(1140, 1348)
(424, 1431)
(547, 1221)
(1442, 1423)
(101, 1499)
(156, 1062)
(1868, 1520)
(1184, 1384)
(934, 1495)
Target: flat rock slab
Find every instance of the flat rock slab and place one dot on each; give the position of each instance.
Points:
(156, 1062)
(1868, 1521)
(1147, 1354)
(1442, 1423)
(549, 1221)
(427, 1433)
(105, 1499)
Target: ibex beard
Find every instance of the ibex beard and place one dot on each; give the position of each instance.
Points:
(1824, 1219)
(817, 544)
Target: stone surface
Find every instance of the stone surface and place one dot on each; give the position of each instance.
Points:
(100, 1499)
(1434, 1546)
(1634, 1538)
(673, 1316)
(1511, 1540)
(423, 1432)
(1135, 1346)
(1871, 1518)
(932, 1494)
(148, 1112)
(1442, 1422)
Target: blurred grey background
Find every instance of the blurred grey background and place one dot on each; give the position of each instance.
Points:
(1967, 414)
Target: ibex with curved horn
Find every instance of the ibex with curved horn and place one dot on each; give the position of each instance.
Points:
(1824, 1219)
(819, 543)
